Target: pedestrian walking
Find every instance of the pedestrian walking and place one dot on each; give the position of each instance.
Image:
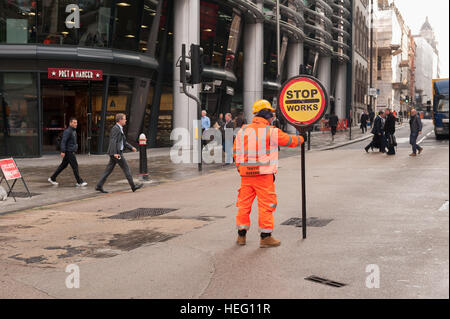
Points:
(389, 131)
(378, 134)
(364, 119)
(333, 122)
(227, 145)
(117, 144)
(257, 166)
(206, 124)
(240, 120)
(69, 147)
(220, 120)
(415, 125)
(371, 118)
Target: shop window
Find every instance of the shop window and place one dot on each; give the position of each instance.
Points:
(17, 21)
(220, 29)
(18, 115)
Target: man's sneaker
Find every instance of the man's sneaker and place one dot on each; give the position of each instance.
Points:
(53, 182)
(269, 241)
(81, 185)
(420, 150)
(412, 154)
(241, 240)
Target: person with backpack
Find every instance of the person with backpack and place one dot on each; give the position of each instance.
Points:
(68, 148)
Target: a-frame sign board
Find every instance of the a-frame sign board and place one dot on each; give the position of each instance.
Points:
(10, 172)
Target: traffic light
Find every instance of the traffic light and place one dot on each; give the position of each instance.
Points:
(407, 99)
(196, 63)
(184, 66)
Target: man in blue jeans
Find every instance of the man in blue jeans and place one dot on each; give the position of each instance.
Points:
(415, 124)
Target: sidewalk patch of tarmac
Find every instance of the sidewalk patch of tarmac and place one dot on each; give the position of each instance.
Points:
(70, 251)
(137, 238)
(29, 260)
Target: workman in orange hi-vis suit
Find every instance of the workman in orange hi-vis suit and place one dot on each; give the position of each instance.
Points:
(255, 152)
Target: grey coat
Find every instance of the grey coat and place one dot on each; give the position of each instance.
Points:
(116, 138)
(415, 124)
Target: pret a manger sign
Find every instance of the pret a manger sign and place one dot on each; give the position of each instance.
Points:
(75, 74)
(303, 100)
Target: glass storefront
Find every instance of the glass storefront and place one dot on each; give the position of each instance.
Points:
(126, 25)
(62, 100)
(19, 115)
(220, 30)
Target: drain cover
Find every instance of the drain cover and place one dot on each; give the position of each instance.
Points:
(325, 281)
(22, 194)
(310, 222)
(142, 212)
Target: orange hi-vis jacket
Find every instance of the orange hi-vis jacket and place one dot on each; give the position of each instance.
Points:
(255, 148)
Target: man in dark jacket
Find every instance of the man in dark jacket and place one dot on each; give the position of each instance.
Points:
(364, 119)
(333, 122)
(227, 144)
(371, 117)
(378, 134)
(415, 125)
(117, 143)
(68, 148)
(389, 130)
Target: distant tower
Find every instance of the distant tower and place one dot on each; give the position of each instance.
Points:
(427, 32)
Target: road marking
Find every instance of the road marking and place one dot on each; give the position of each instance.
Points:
(423, 138)
(402, 140)
(444, 207)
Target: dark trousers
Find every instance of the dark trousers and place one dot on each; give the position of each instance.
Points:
(378, 141)
(71, 159)
(390, 147)
(364, 128)
(333, 130)
(413, 141)
(110, 167)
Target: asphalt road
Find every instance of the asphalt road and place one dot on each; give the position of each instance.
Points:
(382, 216)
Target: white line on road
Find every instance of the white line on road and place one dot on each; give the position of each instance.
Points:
(444, 207)
(423, 138)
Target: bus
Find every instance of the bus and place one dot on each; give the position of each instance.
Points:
(440, 107)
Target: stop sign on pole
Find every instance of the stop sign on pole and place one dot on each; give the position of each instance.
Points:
(303, 101)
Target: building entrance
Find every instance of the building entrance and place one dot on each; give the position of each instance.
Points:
(63, 99)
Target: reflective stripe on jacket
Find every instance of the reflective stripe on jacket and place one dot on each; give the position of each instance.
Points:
(255, 149)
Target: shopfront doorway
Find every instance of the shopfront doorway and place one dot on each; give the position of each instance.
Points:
(63, 99)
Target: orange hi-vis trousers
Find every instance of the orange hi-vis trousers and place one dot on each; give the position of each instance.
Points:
(262, 186)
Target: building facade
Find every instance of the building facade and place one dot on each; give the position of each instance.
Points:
(132, 47)
(427, 65)
(360, 58)
(393, 60)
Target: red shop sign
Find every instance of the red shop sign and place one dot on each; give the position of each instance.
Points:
(75, 74)
(9, 169)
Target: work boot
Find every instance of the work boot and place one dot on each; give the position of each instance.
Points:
(241, 240)
(241, 237)
(268, 242)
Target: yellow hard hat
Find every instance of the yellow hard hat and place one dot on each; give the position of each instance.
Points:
(262, 104)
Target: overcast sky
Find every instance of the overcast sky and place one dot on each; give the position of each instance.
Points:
(414, 13)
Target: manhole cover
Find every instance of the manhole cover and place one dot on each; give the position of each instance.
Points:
(142, 212)
(325, 281)
(22, 194)
(310, 222)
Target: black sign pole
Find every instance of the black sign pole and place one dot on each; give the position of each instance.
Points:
(303, 173)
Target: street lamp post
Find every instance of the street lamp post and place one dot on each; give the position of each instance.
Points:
(371, 55)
